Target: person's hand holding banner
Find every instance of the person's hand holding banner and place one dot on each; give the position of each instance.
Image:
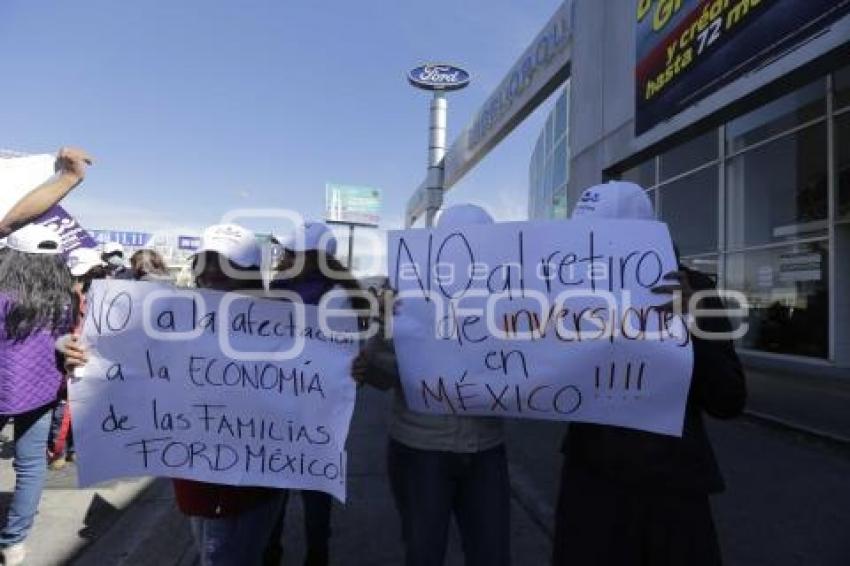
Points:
(31, 184)
(71, 163)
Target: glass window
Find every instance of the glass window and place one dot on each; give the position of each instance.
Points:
(778, 191)
(842, 164)
(561, 115)
(559, 169)
(559, 202)
(643, 174)
(782, 114)
(787, 292)
(689, 155)
(549, 129)
(841, 87)
(689, 206)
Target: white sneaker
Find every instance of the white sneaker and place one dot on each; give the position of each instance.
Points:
(14, 555)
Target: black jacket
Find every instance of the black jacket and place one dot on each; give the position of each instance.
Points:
(653, 462)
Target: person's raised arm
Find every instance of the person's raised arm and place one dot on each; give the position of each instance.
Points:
(70, 167)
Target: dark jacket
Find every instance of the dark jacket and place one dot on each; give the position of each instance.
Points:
(652, 462)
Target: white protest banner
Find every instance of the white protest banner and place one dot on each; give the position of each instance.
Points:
(541, 320)
(20, 174)
(221, 388)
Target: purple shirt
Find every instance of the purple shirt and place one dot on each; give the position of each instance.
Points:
(29, 373)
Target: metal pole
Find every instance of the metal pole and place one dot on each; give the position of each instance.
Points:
(350, 246)
(436, 152)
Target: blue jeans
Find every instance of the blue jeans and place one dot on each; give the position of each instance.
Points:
(430, 486)
(238, 540)
(31, 430)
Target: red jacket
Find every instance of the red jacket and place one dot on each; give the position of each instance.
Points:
(200, 499)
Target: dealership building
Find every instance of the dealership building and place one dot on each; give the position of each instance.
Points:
(735, 117)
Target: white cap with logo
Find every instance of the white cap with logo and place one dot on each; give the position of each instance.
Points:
(312, 236)
(621, 200)
(81, 260)
(35, 239)
(234, 242)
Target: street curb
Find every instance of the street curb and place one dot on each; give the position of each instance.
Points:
(149, 531)
(788, 425)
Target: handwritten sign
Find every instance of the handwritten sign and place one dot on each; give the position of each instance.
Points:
(541, 320)
(216, 387)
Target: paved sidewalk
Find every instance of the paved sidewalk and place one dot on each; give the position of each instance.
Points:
(820, 405)
(366, 529)
(786, 502)
(69, 519)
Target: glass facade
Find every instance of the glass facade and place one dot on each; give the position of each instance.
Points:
(548, 172)
(749, 204)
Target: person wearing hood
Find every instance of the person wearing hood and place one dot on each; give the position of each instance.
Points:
(310, 269)
(443, 465)
(629, 497)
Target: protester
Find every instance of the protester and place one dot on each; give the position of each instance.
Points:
(231, 524)
(443, 465)
(37, 305)
(313, 248)
(85, 266)
(637, 498)
(113, 256)
(148, 265)
(70, 168)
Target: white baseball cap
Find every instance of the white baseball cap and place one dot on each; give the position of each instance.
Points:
(234, 242)
(35, 239)
(113, 248)
(81, 260)
(312, 236)
(621, 200)
(461, 215)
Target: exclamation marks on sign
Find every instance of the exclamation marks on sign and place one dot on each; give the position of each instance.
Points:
(630, 380)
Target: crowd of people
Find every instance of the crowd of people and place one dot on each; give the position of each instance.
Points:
(626, 497)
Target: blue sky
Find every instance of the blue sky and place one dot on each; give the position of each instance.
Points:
(196, 107)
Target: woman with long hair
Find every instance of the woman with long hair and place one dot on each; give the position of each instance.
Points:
(148, 265)
(36, 306)
(310, 269)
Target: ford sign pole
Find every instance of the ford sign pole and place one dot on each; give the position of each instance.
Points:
(439, 79)
(436, 152)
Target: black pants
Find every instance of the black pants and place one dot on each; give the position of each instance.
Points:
(317, 529)
(603, 523)
(430, 486)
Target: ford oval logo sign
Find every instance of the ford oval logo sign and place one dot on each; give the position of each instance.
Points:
(438, 77)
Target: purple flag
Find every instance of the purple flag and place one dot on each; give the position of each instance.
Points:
(73, 235)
